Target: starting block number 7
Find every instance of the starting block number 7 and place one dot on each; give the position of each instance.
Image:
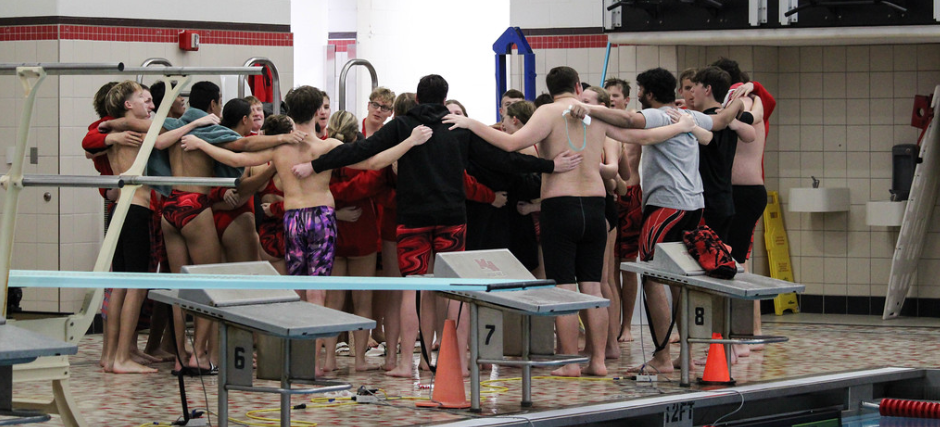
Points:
(490, 333)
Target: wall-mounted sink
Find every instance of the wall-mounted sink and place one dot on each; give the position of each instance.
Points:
(886, 213)
(823, 199)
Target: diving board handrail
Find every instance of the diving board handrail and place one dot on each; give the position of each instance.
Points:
(152, 61)
(275, 80)
(61, 69)
(345, 71)
(192, 71)
(112, 181)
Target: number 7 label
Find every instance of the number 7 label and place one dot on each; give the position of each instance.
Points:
(490, 333)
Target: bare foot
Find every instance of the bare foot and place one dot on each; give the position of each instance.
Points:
(625, 336)
(139, 353)
(390, 362)
(612, 352)
(572, 370)
(401, 372)
(140, 360)
(329, 366)
(741, 350)
(654, 366)
(162, 355)
(362, 367)
(674, 338)
(130, 367)
(677, 364)
(595, 369)
(757, 347)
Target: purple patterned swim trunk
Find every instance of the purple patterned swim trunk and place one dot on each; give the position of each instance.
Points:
(310, 235)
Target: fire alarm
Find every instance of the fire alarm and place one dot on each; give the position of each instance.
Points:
(189, 40)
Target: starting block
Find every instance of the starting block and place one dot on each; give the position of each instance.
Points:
(707, 303)
(513, 327)
(289, 325)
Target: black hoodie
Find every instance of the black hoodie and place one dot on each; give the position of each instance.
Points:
(430, 188)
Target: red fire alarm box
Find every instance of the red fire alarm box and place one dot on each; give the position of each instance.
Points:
(189, 40)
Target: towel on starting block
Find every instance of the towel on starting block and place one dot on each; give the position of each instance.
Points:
(711, 253)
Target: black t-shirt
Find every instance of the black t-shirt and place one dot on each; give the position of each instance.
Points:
(430, 187)
(715, 161)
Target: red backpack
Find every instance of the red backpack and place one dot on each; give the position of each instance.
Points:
(711, 253)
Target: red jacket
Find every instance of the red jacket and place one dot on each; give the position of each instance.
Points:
(94, 143)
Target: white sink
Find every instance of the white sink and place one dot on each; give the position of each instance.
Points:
(886, 213)
(823, 199)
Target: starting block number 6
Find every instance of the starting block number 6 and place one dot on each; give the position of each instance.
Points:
(490, 333)
(239, 349)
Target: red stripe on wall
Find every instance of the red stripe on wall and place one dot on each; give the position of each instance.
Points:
(136, 34)
(342, 45)
(567, 41)
(30, 32)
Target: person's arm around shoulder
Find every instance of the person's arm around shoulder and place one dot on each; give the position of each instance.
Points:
(122, 124)
(419, 135)
(734, 109)
(347, 154)
(620, 118)
(612, 153)
(231, 158)
(757, 110)
(745, 132)
(537, 129)
(654, 135)
(169, 137)
(264, 142)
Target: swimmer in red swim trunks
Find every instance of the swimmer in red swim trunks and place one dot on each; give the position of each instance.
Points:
(307, 202)
(188, 229)
(129, 100)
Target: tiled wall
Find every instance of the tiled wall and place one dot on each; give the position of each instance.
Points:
(66, 232)
(37, 234)
(841, 109)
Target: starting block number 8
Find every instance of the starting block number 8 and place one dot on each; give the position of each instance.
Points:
(703, 309)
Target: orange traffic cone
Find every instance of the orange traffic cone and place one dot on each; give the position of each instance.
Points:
(716, 366)
(449, 391)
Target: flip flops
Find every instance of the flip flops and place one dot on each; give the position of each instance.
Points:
(195, 372)
(377, 351)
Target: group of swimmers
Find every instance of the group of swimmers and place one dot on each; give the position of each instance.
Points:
(333, 193)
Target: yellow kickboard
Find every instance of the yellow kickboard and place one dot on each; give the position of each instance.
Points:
(778, 252)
